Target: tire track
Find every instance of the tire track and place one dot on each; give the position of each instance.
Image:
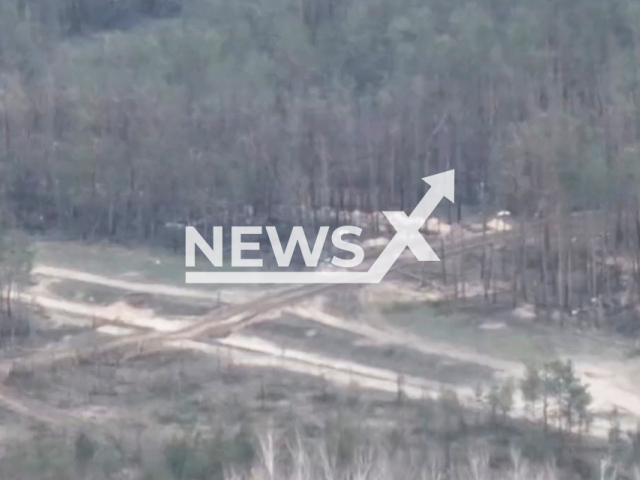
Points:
(222, 324)
(231, 319)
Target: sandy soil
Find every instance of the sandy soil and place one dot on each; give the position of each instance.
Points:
(608, 387)
(235, 296)
(118, 313)
(610, 382)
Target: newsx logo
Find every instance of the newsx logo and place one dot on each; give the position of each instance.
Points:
(283, 255)
(407, 236)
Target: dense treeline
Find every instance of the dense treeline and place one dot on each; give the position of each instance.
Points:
(337, 103)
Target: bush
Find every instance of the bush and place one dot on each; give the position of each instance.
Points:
(198, 459)
(85, 449)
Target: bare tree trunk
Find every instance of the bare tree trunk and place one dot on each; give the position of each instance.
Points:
(569, 275)
(491, 274)
(514, 276)
(9, 291)
(443, 262)
(523, 263)
(545, 269)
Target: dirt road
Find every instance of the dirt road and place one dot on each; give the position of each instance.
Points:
(607, 389)
(165, 333)
(224, 295)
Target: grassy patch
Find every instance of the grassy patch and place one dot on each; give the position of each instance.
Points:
(77, 291)
(143, 264)
(518, 340)
(434, 323)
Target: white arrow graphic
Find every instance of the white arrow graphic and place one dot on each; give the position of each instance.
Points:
(407, 236)
(408, 228)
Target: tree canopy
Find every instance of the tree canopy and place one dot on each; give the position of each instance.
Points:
(191, 109)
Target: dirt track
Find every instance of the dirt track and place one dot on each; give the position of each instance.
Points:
(607, 389)
(230, 319)
(226, 296)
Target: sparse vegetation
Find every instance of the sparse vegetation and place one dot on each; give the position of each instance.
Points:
(555, 384)
(342, 451)
(122, 122)
(15, 267)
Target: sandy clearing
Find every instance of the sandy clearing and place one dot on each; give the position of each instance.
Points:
(389, 292)
(493, 326)
(159, 289)
(115, 330)
(256, 352)
(35, 410)
(389, 335)
(118, 313)
(609, 386)
(525, 312)
(608, 389)
(234, 296)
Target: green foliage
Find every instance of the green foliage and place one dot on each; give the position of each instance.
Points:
(20, 50)
(473, 36)
(342, 443)
(556, 381)
(46, 458)
(450, 419)
(196, 458)
(537, 446)
(505, 396)
(531, 385)
(493, 399)
(85, 449)
(177, 455)
(550, 387)
(500, 399)
(326, 100)
(15, 256)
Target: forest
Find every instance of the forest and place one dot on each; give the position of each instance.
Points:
(117, 117)
(516, 356)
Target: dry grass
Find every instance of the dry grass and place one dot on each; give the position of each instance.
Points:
(380, 462)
